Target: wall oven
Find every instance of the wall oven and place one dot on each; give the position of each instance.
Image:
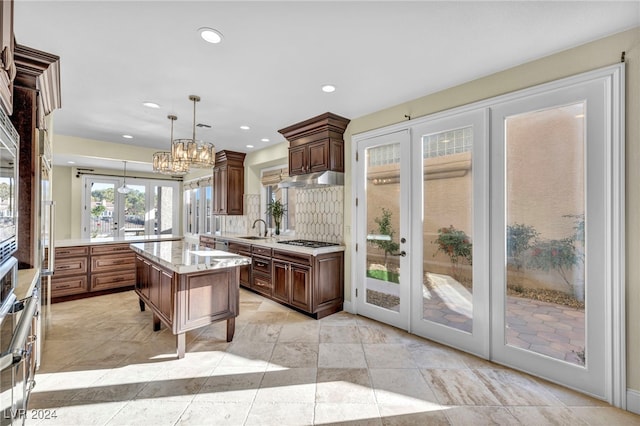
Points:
(8, 187)
(17, 347)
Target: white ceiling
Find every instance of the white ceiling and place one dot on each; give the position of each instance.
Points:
(275, 56)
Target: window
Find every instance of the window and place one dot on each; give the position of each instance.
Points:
(271, 177)
(148, 209)
(198, 206)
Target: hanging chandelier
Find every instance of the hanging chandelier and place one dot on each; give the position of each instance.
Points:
(197, 154)
(165, 163)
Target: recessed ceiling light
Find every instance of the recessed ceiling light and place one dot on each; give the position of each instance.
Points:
(249, 146)
(127, 136)
(328, 88)
(245, 127)
(264, 140)
(71, 162)
(210, 35)
(151, 105)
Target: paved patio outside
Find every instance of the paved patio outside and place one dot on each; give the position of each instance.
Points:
(546, 328)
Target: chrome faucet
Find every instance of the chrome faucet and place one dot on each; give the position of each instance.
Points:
(265, 226)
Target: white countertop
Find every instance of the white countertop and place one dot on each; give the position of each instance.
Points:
(27, 281)
(183, 257)
(115, 240)
(273, 242)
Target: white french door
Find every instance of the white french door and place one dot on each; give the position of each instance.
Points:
(383, 218)
(552, 220)
(498, 228)
(147, 209)
(450, 302)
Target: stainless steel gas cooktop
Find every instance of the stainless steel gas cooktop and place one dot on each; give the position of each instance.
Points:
(308, 243)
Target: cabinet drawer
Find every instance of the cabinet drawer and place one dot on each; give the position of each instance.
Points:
(299, 258)
(239, 247)
(261, 265)
(207, 241)
(262, 284)
(107, 281)
(62, 252)
(117, 262)
(71, 266)
(110, 249)
(262, 251)
(67, 286)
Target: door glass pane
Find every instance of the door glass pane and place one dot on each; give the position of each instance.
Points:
(545, 232)
(382, 282)
(134, 210)
(448, 228)
(207, 209)
(197, 210)
(162, 210)
(101, 223)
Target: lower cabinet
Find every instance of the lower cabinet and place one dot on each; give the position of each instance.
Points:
(244, 270)
(292, 284)
(155, 285)
(312, 284)
(71, 272)
(83, 271)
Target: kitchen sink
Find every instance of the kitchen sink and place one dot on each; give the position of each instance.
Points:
(253, 237)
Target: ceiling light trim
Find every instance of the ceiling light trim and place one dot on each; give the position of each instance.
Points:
(210, 35)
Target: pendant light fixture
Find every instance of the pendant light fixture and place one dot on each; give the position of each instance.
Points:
(197, 154)
(124, 189)
(165, 163)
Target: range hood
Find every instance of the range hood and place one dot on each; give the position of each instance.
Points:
(313, 180)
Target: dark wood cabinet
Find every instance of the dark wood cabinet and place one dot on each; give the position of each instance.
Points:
(71, 272)
(228, 183)
(261, 280)
(92, 270)
(36, 93)
(186, 301)
(292, 283)
(7, 64)
(143, 268)
(244, 270)
(155, 285)
(316, 145)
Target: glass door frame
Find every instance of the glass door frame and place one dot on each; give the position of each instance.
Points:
(476, 342)
(604, 193)
(613, 79)
(401, 318)
(119, 200)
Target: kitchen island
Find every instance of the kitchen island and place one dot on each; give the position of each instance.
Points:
(188, 286)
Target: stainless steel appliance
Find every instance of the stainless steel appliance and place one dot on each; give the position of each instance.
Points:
(17, 349)
(308, 243)
(47, 239)
(8, 187)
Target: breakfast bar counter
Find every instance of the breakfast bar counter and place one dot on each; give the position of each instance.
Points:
(187, 286)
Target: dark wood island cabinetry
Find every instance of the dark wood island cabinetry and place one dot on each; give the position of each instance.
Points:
(187, 286)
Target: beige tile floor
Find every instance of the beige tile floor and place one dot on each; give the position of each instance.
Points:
(103, 365)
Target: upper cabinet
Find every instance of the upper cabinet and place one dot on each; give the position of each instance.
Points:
(316, 144)
(7, 64)
(228, 183)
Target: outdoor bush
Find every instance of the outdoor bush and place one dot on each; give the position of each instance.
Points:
(555, 254)
(454, 243)
(520, 238)
(384, 228)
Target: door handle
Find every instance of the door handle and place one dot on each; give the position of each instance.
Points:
(402, 253)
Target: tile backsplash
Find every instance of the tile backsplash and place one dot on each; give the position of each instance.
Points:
(319, 214)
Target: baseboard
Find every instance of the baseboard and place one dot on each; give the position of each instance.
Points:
(348, 307)
(633, 401)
